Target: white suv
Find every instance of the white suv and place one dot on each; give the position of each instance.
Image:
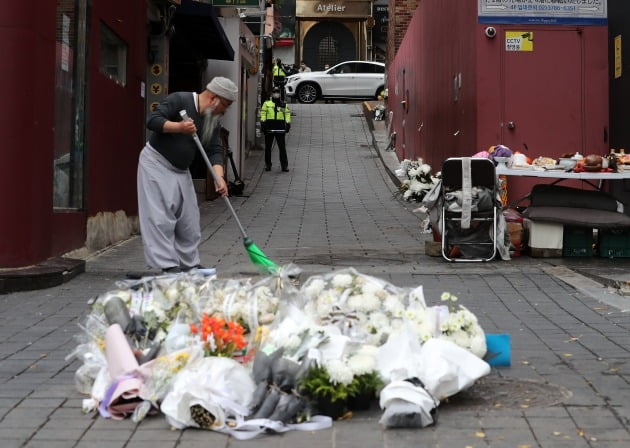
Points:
(346, 80)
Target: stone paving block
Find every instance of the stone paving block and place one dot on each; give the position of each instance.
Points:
(361, 433)
(16, 432)
(120, 435)
(210, 438)
(620, 398)
(75, 422)
(511, 438)
(579, 443)
(593, 417)
(102, 444)
(609, 443)
(156, 436)
(11, 442)
(54, 391)
(25, 416)
(66, 434)
(498, 422)
(457, 418)
(111, 424)
(544, 413)
(584, 396)
(410, 438)
(152, 423)
(619, 434)
(36, 443)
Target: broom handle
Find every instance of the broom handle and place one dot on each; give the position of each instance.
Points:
(185, 117)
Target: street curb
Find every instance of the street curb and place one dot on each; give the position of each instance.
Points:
(52, 272)
(388, 158)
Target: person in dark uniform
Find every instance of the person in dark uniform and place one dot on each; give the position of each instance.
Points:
(275, 120)
(279, 77)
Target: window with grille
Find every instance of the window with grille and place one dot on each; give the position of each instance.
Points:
(328, 51)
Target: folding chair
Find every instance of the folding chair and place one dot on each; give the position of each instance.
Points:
(470, 209)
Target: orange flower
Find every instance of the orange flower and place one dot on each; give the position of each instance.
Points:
(227, 336)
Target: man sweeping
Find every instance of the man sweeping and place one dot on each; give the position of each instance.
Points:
(167, 202)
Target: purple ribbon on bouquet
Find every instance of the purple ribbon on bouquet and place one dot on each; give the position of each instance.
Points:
(109, 394)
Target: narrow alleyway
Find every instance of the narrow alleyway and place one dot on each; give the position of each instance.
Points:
(569, 380)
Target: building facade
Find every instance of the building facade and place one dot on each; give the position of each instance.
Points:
(78, 81)
(461, 82)
(329, 32)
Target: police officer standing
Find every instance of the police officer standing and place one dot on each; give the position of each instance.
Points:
(279, 77)
(275, 120)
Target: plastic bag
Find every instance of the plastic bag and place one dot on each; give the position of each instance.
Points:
(407, 404)
(443, 367)
(221, 386)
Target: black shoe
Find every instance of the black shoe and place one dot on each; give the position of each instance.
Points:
(137, 275)
(197, 266)
(268, 168)
(286, 170)
(172, 270)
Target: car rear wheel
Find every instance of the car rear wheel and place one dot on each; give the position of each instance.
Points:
(380, 93)
(307, 93)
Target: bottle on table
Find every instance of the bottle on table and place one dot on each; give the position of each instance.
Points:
(612, 159)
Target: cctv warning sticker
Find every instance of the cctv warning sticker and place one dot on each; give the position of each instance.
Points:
(519, 41)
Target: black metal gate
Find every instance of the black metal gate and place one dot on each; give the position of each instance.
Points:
(328, 43)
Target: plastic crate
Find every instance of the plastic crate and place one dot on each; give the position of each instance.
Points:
(614, 243)
(577, 242)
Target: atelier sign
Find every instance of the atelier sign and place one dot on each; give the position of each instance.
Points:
(343, 9)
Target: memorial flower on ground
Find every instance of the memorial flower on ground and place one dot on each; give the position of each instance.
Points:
(462, 327)
(162, 370)
(239, 301)
(327, 337)
(219, 337)
(416, 179)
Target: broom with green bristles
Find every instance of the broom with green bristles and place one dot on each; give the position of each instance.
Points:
(257, 256)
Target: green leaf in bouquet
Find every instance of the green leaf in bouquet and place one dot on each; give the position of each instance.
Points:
(317, 383)
(365, 383)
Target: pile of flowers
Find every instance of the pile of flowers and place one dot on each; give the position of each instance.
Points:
(366, 308)
(219, 337)
(246, 357)
(416, 179)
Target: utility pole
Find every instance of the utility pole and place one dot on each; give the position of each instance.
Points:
(261, 64)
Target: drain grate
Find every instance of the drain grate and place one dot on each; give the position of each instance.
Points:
(508, 393)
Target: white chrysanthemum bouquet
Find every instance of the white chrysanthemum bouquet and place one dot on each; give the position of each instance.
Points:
(415, 179)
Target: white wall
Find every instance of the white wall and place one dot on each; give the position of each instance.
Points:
(231, 70)
(286, 54)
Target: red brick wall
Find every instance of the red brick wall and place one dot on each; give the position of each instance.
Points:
(400, 15)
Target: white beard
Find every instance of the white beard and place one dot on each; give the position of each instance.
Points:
(210, 124)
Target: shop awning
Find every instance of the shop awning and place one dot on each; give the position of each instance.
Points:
(198, 33)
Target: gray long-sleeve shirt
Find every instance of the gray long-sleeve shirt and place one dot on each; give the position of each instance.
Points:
(180, 149)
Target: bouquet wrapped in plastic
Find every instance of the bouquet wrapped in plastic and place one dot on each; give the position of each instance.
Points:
(209, 393)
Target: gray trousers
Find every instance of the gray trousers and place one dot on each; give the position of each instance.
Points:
(168, 212)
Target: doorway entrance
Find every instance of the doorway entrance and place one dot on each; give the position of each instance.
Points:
(543, 97)
(328, 43)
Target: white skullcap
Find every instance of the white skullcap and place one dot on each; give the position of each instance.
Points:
(223, 87)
